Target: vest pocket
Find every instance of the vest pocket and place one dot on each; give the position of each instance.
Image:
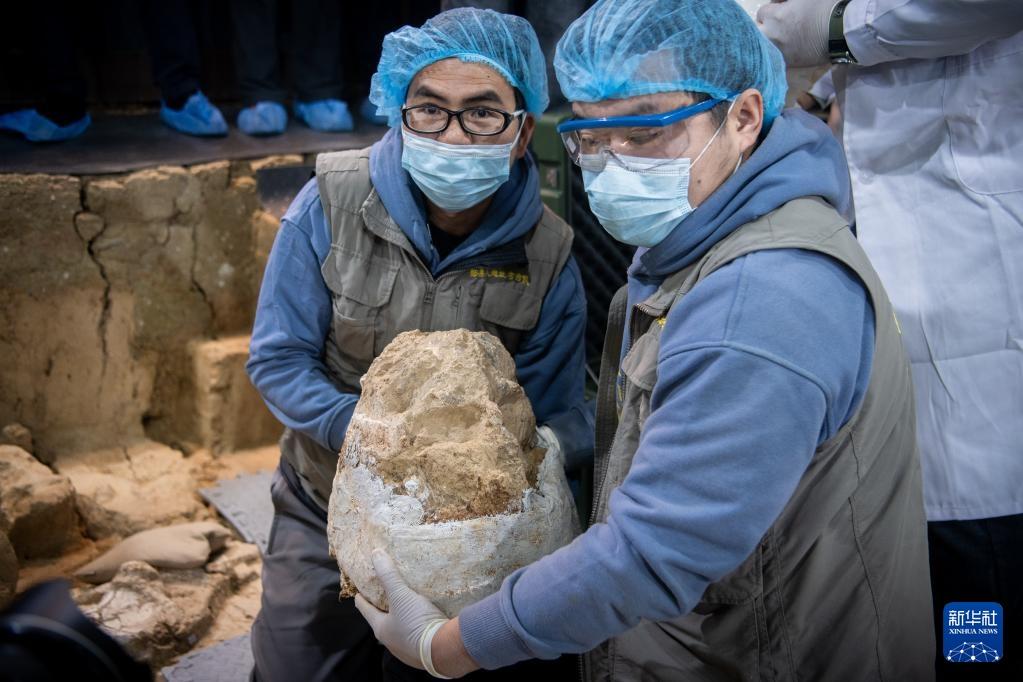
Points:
(364, 281)
(510, 304)
(355, 339)
(509, 312)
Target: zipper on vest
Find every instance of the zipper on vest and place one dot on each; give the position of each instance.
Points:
(598, 491)
(600, 482)
(600, 476)
(426, 319)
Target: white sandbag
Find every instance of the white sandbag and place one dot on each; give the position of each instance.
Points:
(452, 563)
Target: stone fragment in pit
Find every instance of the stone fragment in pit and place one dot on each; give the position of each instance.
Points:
(37, 506)
(18, 434)
(123, 490)
(155, 615)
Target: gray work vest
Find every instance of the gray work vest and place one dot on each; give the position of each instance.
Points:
(380, 287)
(838, 588)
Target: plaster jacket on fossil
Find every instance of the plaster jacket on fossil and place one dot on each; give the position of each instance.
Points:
(439, 467)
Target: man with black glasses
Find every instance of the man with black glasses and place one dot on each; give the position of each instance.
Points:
(437, 226)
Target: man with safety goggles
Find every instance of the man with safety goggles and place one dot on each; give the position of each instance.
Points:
(614, 152)
(758, 502)
(437, 226)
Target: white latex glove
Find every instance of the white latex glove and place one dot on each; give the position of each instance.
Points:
(406, 630)
(799, 28)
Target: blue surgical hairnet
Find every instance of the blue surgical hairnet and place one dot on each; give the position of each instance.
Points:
(625, 48)
(504, 42)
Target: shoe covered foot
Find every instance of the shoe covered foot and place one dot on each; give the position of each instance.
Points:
(198, 117)
(37, 128)
(368, 112)
(325, 115)
(263, 118)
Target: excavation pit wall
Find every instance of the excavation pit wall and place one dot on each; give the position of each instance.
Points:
(125, 307)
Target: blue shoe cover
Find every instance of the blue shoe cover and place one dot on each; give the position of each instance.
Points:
(325, 115)
(368, 112)
(37, 128)
(197, 117)
(263, 118)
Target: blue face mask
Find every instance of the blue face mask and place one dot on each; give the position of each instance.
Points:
(641, 207)
(456, 176)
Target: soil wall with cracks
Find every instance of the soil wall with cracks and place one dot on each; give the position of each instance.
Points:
(107, 283)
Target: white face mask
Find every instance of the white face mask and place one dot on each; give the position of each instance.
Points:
(642, 207)
(456, 176)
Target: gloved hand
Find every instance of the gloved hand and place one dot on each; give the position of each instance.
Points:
(799, 28)
(406, 630)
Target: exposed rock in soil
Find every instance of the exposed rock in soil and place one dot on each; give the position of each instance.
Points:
(18, 434)
(37, 506)
(121, 491)
(230, 412)
(156, 615)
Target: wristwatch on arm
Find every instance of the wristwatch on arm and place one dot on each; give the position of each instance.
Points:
(838, 49)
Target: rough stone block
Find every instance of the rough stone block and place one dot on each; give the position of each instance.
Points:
(37, 506)
(124, 490)
(18, 434)
(156, 615)
(231, 414)
(240, 562)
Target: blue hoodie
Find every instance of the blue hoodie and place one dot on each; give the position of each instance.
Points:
(293, 315)
(761, 362)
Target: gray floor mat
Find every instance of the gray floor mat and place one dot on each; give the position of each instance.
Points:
(245, 502)
(116, 144)
(229, 661)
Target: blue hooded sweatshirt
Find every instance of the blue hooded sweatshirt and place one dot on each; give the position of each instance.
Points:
(293, 315)
(761, 362)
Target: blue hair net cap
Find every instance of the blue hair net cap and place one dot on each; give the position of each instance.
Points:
(626, 48)
(503, 42)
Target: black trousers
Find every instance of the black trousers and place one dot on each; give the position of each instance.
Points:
(980, 560)
(61, 88)
(315, 50)
(305, 632)
(57, 87)
(173, 47)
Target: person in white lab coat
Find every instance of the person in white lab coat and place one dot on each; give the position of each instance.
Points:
(931, 93)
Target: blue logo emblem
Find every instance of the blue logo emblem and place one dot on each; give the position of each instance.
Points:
(973, 632)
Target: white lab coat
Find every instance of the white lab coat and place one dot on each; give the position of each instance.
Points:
(933, 130)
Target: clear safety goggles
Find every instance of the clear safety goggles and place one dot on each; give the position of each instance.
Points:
(637, 143)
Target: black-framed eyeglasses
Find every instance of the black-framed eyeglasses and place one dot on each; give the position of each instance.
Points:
(430, 118)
